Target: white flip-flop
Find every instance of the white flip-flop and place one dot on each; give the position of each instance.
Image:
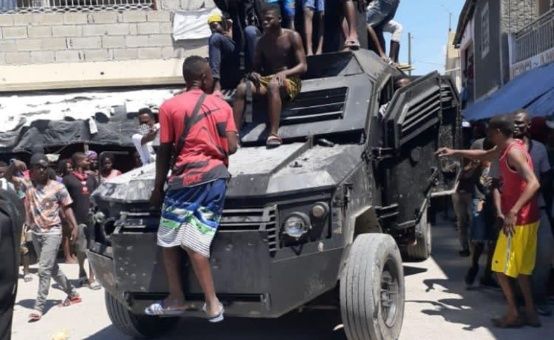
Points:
(157, 309)
(215, 318)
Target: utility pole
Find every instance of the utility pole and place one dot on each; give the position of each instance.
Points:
(410, 53)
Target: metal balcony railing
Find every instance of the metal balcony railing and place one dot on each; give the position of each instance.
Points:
(536, 38)
(44, 6)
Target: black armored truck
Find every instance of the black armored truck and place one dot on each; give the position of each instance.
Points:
(335, 209)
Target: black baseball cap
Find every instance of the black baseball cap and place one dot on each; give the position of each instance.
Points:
(38, 158)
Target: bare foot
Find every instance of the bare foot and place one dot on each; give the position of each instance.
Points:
(172, 303)
(213, 308)
(508, 321)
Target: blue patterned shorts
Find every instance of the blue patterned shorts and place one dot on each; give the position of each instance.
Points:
(190, 216)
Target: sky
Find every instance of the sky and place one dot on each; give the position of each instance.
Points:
(427, 20)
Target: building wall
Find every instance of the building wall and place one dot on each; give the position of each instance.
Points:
(516, 14)
(453, 65)
(94, 49)
(40, 38)
(487, 47)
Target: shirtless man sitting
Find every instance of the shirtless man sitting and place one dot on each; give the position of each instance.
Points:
(280, 60)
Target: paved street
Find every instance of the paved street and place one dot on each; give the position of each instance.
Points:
(437, 306)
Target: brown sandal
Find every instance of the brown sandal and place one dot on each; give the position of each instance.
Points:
(35, 316)
(70, 300)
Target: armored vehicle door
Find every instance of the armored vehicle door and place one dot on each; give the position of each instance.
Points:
(420, 118)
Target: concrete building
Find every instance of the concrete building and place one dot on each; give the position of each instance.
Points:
(452, 66)
(500, 39)
(47, 44)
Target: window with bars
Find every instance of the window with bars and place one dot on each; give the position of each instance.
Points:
(43, 6)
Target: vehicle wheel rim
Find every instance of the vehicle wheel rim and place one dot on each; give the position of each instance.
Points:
(389, 293)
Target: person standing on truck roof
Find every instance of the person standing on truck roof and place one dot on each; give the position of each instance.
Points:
(311, 8)
(80, 184)
(379, 13)
(395, 29)
(44, 200)
(352, 41)
(201, 130)
(279, 63)
(515, 251)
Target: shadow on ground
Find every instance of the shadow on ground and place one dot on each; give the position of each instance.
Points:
(474, 308)
(310, 324)
(30, 304)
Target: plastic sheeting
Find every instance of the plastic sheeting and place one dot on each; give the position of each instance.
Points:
(116, 131)
(533, 90)
(192, 25)
(46, 120)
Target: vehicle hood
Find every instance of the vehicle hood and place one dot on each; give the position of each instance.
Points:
(256, 172)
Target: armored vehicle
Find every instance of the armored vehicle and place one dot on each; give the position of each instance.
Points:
(334, 209)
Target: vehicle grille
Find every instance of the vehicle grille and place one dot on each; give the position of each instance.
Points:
(421, 114)
(315, 106)
(263, 220)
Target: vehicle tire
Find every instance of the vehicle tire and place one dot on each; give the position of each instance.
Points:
(138, 326)
(420, 251)
(372, 289)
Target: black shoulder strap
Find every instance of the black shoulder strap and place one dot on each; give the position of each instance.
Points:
(181, 143)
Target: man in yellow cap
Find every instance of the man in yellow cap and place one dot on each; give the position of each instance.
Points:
(223, 52)
(244, 21)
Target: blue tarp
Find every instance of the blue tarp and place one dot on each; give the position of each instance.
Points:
(532, 90)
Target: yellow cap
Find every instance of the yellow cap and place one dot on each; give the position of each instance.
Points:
(216, 17)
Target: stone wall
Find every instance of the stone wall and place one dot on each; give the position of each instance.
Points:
(516, 14)
(42, 38)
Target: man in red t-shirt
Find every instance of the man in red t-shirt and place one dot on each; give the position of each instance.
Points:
(201, 129)
(514, 254)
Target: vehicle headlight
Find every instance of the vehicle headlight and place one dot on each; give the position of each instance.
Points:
(296, 225)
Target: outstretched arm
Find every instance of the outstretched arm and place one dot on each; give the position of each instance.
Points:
(476, 155)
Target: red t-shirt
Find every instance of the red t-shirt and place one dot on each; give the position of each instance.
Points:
(204, 156)
(512, 186)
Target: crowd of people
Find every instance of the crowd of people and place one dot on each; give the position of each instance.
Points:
(503, 203)
(503, 206)
(55, 208)
(254, 48)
